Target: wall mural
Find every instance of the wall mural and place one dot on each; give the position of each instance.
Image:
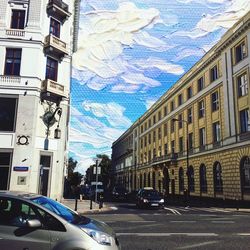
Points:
(129, 54)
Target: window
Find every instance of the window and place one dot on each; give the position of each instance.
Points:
(200, 83)
(240, 52)
(215, 101)
(203, 178)
(154, 153)
(159, 151)
(141, 129)
(172, 126)
(242, 85)
(165, 110)
(136, 133)
(55, 27)
(244, 121)
(149, 123)
(201, 109)
(154, 119)
(172, 147)
(181, 180)
(245, 174)
(214, 73)
(165, 129)
(154, 136)
(190, 175)
(149, 155)
(179, 99)
(190, 141)
(202, 137)
(165, 148)
(159, 115)
(216, 132)
(218, 183)
(145, 141)
(189, 92)
(159, 133)
(141, 142)
(8, 108)
(190, 116)
(13, 62)
(149, 138)
(51, 69)
(145, 126)
(180, 121)
(181, 144)
(172, 105)
(17, 19)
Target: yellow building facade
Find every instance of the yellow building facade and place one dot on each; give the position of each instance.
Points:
(196, 137)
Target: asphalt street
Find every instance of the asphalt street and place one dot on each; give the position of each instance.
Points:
(177, 227)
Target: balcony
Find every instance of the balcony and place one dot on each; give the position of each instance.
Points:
(15, 33)
(53, 91)
(10, 80)
(58, 9)
(171, 158)
(55, 46)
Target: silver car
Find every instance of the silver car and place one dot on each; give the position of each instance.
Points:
(32, 222)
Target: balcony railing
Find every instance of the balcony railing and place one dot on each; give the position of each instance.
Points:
(53, 88)
(169, 157)
(56, 46)
(10, 80)
(15, 33)
(58, 9)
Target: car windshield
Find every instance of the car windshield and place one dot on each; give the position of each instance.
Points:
(59, 209)
(150, 193)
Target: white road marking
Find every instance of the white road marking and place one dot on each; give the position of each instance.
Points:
(223, 222)
(243, 234)
(198, 245)
(142, 221)
(183, 221)
(114, 208)
(168, 234)
(174, 211)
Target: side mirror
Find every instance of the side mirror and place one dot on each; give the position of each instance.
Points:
(33, 223)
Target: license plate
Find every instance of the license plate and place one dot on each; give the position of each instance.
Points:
(154, 205)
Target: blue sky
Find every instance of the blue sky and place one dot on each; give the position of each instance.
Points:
(129, 54)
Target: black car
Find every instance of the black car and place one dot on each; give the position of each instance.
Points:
(119, 193)
(149, 197)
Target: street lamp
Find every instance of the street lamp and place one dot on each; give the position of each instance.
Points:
(187, 146)
(98, 161)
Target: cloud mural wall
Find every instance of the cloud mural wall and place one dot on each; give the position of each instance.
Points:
(129, 54)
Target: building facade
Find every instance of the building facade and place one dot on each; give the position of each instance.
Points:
(196, 137)
(36, 44)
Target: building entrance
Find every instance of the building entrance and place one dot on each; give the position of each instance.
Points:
(5, 162)
(45, 165)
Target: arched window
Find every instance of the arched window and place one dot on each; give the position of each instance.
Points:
(140, 180)
(203, 178)
(181, 179)
(190, 174)
(153, 180)
(144, 180)
(218, 183)
(245, 174)
(149, 180)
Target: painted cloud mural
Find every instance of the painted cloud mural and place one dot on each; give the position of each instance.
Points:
(129, 54)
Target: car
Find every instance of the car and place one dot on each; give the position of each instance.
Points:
(119, 193)
(32, 221)
(149, 197)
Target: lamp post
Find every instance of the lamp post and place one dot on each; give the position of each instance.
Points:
(98, 161)
(187, 146)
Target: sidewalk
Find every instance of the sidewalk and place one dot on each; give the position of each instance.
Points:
(83, 206)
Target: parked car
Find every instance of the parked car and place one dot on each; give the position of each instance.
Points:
(119, 193)
(31, 221)
(95, 188)
(149, 197)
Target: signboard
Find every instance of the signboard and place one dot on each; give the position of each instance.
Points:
(20, 168)
(98, 170)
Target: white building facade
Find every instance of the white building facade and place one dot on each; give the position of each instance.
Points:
(36, 44)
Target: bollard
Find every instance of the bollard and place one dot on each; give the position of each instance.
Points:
(90, 204)
(76, 204)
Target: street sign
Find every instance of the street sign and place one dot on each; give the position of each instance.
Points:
(20, 168)
(98, 170)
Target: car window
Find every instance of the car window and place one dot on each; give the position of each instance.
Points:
(15, 213)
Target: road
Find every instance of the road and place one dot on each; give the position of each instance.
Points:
(178, 227)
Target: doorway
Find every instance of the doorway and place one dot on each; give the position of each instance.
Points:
(45, 167)
(5, 162)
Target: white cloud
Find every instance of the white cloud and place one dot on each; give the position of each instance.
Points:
(104, 35)
(125, 88)
(160, 64)
(150, 102)
(112, 111)
(186, 52)
(234, 10)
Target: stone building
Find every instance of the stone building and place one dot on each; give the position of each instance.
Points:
(36, 44)
(196, 137)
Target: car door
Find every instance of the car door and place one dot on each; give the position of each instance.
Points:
(14, 233)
